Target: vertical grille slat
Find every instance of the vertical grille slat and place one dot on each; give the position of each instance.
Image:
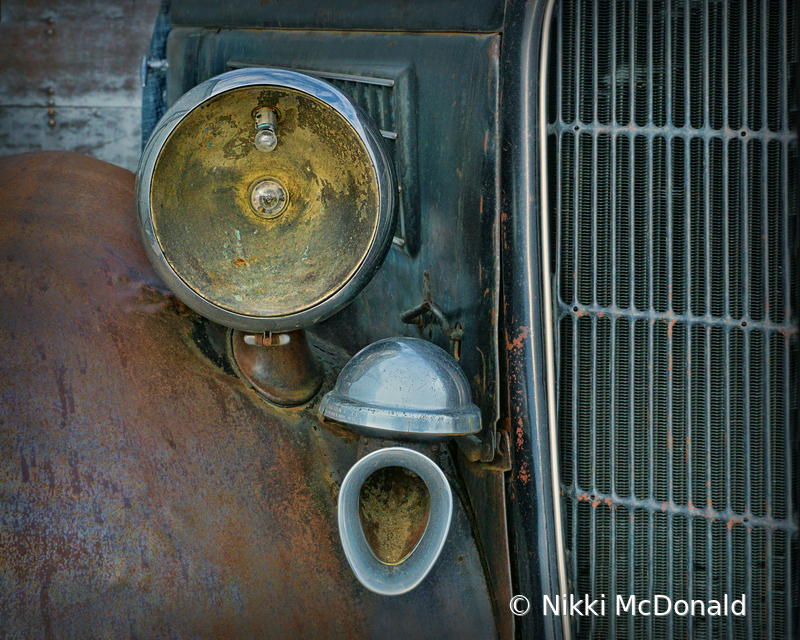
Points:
(674, 167)
(735, 64)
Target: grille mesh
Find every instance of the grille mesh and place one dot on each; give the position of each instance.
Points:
(673, 172)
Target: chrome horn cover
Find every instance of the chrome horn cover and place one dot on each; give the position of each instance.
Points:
(403, 388)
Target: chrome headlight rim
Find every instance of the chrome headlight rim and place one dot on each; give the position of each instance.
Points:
(353, 115)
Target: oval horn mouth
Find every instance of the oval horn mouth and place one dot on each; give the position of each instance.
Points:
(401, 577)
(394, 505)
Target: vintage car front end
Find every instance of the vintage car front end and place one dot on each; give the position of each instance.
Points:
(416, 321)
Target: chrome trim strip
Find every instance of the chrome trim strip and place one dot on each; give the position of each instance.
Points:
(328, 75)
(561, 561)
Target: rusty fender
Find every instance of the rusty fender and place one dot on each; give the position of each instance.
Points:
(145, 489)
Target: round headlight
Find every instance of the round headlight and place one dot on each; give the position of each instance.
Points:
(266, 199)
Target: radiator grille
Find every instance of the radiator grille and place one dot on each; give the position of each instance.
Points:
(672, 146)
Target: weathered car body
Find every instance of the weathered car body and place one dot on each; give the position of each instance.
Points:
(588, 227)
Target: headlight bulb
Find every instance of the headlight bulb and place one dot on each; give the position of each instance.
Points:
(266, 140)
(268, 198)
(266, 137)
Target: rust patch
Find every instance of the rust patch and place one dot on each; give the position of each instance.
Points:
(670, 325)
(524, 474)
(787, 331)
(520, 434)
(519, 341)
(164, 481)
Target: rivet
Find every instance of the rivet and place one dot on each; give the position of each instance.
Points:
(51, 122)
(51, 112)
(50, 32)
(50, 91)
(51, 20)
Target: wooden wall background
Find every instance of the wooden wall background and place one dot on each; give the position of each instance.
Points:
(69, 76)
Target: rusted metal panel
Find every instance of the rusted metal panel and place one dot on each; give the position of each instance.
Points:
(145, 490)
(87, 51)
(487, 492)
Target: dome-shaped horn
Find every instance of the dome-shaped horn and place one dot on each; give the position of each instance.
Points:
(404, 388)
